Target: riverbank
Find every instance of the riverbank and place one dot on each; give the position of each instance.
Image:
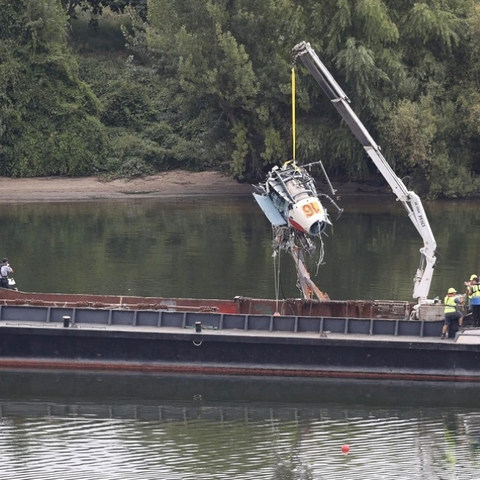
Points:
(175, 183)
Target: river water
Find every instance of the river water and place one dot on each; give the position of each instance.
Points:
(222, 247)
(100, 426)
(89, 426)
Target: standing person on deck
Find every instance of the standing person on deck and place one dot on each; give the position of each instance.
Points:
(451, 302)
(468, 284)
(5, 270)
(473, 292)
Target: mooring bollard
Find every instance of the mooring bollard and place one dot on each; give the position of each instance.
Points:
(198, 327)
(66, 322)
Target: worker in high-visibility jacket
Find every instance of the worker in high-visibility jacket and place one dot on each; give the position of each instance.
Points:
(473, 292)
(452, 301)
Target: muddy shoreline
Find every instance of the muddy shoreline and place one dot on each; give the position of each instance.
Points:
(162, 185)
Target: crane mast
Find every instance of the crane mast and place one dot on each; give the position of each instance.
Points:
(410, 200)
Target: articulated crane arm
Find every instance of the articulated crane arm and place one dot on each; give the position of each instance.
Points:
(409, 199)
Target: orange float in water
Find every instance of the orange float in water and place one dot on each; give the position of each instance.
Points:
(345, 449)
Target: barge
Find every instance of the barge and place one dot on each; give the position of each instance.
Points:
(307, 337)
(291, 338)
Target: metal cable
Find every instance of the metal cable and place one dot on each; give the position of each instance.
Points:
(276, 269)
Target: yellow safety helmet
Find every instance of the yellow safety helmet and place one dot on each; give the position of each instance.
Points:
(452, 290)
(473, 276)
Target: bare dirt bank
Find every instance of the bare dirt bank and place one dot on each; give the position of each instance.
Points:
(166, 184)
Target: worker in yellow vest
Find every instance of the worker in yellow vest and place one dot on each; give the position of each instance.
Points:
(452, 301)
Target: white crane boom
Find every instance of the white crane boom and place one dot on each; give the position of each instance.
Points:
(410, 200)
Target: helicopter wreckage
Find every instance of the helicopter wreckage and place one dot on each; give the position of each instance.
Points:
(290, 201)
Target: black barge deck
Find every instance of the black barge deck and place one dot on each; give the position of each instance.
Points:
(77, 338)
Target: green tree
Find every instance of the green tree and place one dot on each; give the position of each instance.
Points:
(402, 65)
(96, 7)
(49, 116)
(209, 85)
(230, 90)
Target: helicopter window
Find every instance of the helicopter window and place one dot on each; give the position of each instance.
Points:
(278, 201)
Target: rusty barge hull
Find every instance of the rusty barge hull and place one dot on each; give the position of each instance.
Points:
(237, 337)
(238, 305)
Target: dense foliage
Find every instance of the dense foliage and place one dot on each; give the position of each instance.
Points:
(206, 83)
(49, 116)
(96, 7)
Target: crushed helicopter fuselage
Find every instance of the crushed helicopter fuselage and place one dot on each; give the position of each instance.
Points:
(290, 200)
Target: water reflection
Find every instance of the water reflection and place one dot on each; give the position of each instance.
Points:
(184, 429)
(221, 247)
(150, 388)
(163, 427)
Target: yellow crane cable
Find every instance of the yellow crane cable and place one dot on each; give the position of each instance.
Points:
(293, 114)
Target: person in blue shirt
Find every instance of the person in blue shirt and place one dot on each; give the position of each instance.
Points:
(473, 292)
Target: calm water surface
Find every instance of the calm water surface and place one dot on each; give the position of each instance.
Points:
(66, 425)
(221, 247)
(90, 426)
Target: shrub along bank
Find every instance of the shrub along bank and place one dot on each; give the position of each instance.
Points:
(152, 85)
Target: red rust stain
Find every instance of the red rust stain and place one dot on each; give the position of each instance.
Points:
(219, 370)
